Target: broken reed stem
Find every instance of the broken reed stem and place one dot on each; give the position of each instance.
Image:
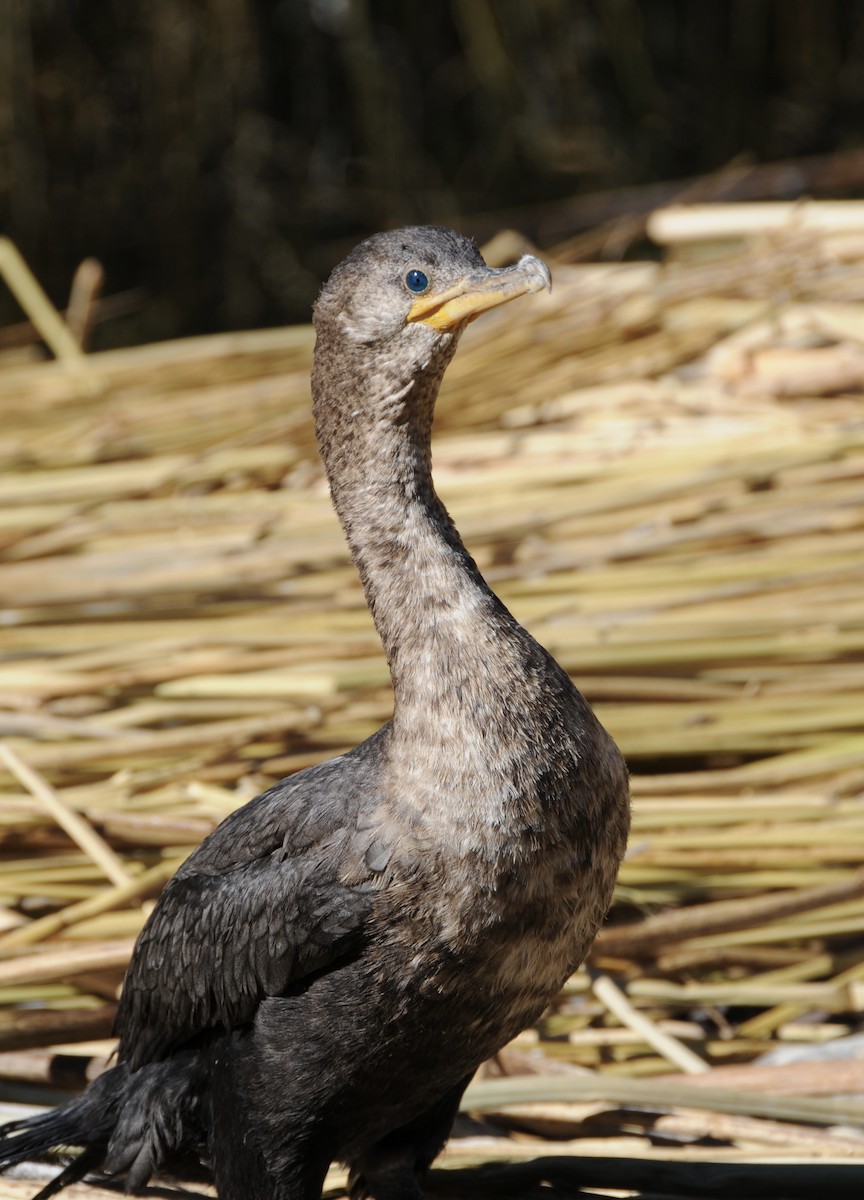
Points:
(47, 966)
(492, 1095)
(765, 1023)
(79, 829)
(29, 294)
(643, 939)
(710, 222)
(790, 1079)
(25, 1028)
(609, 994)
(84, 295)
(147, 883)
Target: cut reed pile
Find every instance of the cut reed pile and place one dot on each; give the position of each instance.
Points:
(660, 467)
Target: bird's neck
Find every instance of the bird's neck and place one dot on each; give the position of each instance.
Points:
(440, 624)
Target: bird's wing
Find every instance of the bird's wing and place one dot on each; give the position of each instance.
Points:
(261, 903)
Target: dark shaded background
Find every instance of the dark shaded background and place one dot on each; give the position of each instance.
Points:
(221, 154)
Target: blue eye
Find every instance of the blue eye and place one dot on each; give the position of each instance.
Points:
(416, 281)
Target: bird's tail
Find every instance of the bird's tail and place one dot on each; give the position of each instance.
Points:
(127, 1124)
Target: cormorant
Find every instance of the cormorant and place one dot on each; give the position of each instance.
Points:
(324, 974)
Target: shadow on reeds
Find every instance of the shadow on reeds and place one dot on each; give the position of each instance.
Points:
(558, 1178)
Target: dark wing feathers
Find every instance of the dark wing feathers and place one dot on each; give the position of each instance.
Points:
(259, 905)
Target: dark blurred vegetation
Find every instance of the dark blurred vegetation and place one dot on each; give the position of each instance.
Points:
(220, 154)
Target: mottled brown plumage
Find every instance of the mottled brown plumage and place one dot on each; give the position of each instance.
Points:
(325, 973)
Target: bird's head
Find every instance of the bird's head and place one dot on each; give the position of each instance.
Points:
(388, 321)
(409, 293)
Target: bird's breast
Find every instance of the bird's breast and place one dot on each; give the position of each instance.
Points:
(510, 923)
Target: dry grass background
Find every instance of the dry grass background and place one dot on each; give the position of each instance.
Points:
(660, 467)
